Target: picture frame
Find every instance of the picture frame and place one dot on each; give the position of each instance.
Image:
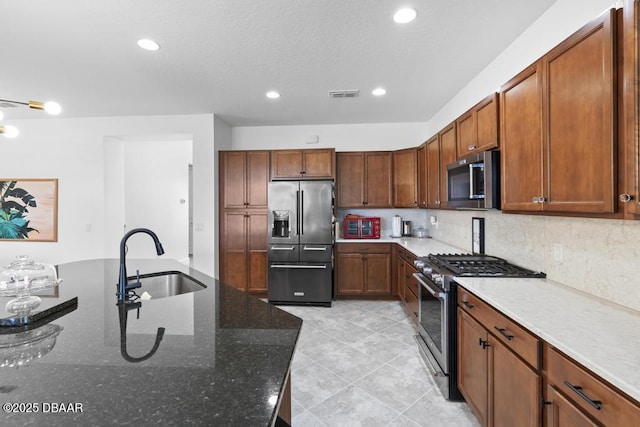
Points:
(477, 235)
(28, 209)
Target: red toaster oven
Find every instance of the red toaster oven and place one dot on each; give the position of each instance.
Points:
(354, 227)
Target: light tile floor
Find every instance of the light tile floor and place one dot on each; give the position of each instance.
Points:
(357, 364)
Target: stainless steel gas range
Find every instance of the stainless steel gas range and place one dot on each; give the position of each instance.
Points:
(437, 325)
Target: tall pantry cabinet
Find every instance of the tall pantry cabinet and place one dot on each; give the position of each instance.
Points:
(244, 179)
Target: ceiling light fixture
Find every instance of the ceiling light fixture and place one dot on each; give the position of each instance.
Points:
(50, 107)
(9, 131)
(379, 91)
(148, 44)
(273, 94)
(405, 15)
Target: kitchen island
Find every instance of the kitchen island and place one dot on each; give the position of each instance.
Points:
(223, 357)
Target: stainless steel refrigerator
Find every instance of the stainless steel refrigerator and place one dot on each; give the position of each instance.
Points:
(300, 242)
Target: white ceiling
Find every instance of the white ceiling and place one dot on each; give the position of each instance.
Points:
(222, 56)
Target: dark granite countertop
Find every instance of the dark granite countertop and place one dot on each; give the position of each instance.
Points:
(223, 360)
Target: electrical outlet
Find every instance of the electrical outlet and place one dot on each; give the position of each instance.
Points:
(558, 252)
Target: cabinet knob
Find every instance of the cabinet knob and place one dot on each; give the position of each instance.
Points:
(472, 147)
(625, 198)
(539, 199)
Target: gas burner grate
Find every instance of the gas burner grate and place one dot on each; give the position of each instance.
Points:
(481, 266)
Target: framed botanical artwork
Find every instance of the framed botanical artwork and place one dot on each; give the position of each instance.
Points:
(29, 209)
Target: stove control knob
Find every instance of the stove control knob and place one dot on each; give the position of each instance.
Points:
(419, 264)
(427, 270)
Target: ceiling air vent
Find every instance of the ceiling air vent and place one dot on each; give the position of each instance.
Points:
(344, 93)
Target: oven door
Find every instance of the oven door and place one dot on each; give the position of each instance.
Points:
(433, 321)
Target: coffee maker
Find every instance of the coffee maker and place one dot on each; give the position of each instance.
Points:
(406, 228)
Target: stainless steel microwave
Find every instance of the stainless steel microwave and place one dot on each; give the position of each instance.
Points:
(474, 182)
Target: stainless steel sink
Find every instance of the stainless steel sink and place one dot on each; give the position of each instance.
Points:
(166, 284)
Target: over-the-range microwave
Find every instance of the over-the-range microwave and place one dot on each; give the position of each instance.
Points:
(474, 182)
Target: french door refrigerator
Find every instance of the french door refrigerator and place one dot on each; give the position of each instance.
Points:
(300, 243)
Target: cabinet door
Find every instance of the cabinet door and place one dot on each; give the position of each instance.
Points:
(256, 226)
(473, 366)
(257, 180)
(466, 134)
(580, 116)
(350, 180)
(562, 413)
(521, 140)
(286, 164)
(378, 182)
(233, 175)
(422, 176)
(350, 274)
(405, 178)
(377, 274)
(447, 155)
(433, 173)
(318, 163)
(516, 389)
(233, 248)
(486, 115)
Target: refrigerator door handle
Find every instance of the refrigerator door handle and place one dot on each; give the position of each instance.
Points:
(301, 209)
(298, 212)
(311, 248)
(277, 248)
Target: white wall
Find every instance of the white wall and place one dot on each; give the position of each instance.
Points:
(73, 150)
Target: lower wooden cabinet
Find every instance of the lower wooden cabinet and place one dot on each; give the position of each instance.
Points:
(501, 388)
(363, 269)
(243, 250)
(407, 285)
(576, 397)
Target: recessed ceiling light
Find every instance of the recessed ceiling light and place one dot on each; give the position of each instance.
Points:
(148, 44)
(379, 91)
(273, 94)
(403, 16)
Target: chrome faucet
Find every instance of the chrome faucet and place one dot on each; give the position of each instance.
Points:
(123, 286)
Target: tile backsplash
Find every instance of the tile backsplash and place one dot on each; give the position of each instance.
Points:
(597, 256)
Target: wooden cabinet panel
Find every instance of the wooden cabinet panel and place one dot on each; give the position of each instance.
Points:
(243, 250)
(350, 170)
(583, 389)
(378, 180)
(405, 178)
(562, 413)
(363, 269)
(473, 365)
(364, 180)
(516, 389)
(303, 164)
(487, 123)
(466, 133)
(521, 140)
(422, 175)
(350, 274)
(580, 112)
(244, 177)
(433, 173)
(447, 155)
(378, 274)
(558, 127)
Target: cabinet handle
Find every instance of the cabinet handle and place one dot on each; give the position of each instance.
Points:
(469, 306)
(472, 147)
(483, 343)
(625, 198)
(504, 333)
(539, 199)
(578, 390)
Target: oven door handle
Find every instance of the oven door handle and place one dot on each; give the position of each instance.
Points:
(436, 293)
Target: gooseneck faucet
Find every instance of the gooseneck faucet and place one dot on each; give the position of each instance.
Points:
(123, 286)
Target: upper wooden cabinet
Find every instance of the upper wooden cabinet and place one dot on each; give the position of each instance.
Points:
(244, 177)
(364, 179)
(441, 150)
(303, 164)
(477, 129)
(629, 193)
(422, 175)
(558, 127)
(405, 178)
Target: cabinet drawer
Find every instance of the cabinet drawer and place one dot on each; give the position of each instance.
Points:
(523, 343)
(358, 248)
(411, 301)
(587, 392)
